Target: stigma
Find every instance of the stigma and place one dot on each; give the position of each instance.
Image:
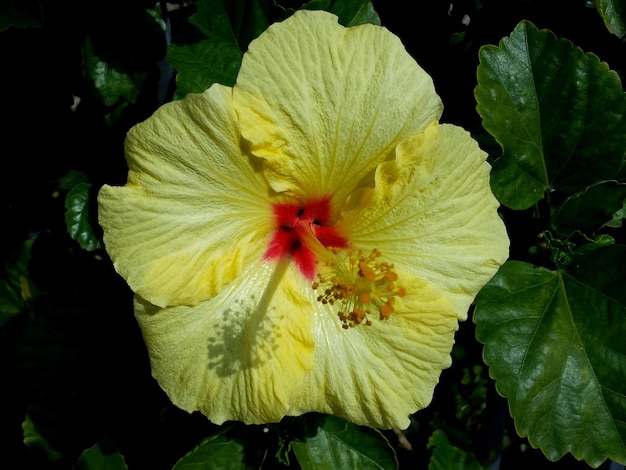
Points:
(361, 286)
(304, 232)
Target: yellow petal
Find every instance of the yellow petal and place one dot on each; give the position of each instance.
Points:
(378, 375)
(195, 209)
(432, 213)
(324, 104)
(238, 356)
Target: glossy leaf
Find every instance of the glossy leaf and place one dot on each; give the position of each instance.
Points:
(590, 209)
(613, 13)
(78, 217)
(554, 342)
(100, 457)
(339, 444)
(110, 80)
(214, 453)
(445, 456)
(558, 114)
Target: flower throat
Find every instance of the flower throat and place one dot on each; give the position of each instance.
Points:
(358, 284)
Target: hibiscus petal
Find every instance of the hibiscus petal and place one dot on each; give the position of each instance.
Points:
(378, 375)
(432, 213)
(195, 209)
(238, 356)
(324, 104)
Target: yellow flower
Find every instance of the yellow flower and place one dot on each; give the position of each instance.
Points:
(309, 239)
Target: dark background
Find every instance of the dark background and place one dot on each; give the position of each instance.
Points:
(75, 361)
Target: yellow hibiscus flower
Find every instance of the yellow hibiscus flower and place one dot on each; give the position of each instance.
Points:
(309, 239)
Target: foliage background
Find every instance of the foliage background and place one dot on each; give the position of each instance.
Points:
(76, 385)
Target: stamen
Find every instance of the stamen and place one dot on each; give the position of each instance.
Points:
(359, 285)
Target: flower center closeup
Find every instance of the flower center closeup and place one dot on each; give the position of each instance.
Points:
(304, 232)
(360, 285)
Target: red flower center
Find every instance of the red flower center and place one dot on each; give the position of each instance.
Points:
(301, 230)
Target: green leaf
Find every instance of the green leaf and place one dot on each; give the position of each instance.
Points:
(101, 457)
(248, 19)
(10, 302)
(20, 14)
(350, 12)
(554, 342)
(17, 288)
(448, 457)
(604, 271)
(214, 453)
(78, 217)
(201, 64)
(590, 209)
(111, 81)
(558, 114)
(34, 440)
(71, 179)
(227, 28)
(613, 13)
(339, 444)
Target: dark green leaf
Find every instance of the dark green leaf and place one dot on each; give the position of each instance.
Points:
(248, 19)
(590, 209)
(613, 12)
(212, 20)
(203, 63)
(110, 79)
(34, 440)
(350, 12)
(78, 217)
(227, 28)
(555, 345)
(16, 269)
(339, 444)
(603, 271)
(20, 14)
(558, 114)
(11, 302)
(214, 453)
(71, 179)
(448, 457)
(100, 457)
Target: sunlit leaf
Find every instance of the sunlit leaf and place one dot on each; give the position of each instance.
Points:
(214, 453)
(554, 342)
(613, 13)
(445, 456)
(101, 457)
(78, 217)
(559, 115)
(590, 209)
(339, 444)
